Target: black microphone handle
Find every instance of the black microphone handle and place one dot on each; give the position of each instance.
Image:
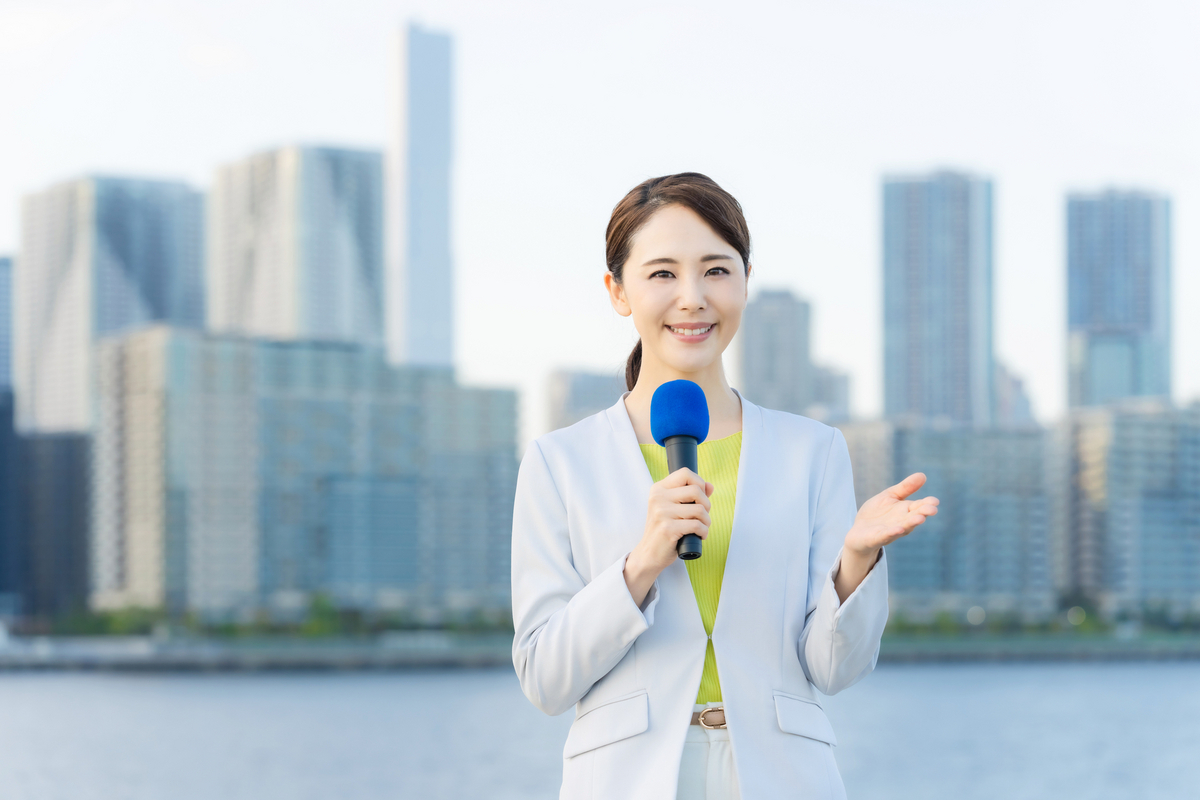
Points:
(681, 453)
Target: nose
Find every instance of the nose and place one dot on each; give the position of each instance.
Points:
(691, 294)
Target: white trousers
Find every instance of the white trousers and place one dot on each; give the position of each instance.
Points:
(706, 771)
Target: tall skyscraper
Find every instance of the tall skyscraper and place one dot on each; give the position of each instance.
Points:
(1119, 296)
(6, 323)
(776, 360)
(574, 395)
(937, 298)
(296, 246)
(420, 268)
(98, 255)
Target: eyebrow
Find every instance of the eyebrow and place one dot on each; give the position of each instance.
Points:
(667, 260)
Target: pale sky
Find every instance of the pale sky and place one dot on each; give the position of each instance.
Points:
(798, 108)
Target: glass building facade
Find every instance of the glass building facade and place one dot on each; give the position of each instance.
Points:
(98, 255)
(421, 270)
(237, 476)
(6, 324)
(295, 244)
(937, 298)
(989, 544)
(1118, 296)
(1128, 497)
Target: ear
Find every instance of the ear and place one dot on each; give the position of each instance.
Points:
(749, 272)
(616, 295)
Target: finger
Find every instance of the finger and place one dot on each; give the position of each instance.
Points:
(683, 477)
(691, 511)
(907, 486)
(688, 494)
(682, 527)
(709, 488)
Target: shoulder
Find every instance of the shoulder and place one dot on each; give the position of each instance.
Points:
(562, 446)
(794, 430)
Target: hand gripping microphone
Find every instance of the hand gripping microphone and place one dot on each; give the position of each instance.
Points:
(679, 422)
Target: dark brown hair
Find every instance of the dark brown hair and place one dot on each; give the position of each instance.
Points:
(701, 194)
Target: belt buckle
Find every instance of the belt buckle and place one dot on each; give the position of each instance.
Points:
(705, 725)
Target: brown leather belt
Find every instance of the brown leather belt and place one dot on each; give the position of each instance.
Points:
(710, 718)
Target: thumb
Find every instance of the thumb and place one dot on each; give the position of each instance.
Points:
(907, 486)
(709, 489)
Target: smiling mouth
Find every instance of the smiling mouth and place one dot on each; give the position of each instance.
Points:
(691, 331)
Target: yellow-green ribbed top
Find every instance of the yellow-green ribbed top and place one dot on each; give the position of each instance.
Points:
(718, 463)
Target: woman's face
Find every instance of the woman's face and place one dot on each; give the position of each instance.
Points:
(685, 287)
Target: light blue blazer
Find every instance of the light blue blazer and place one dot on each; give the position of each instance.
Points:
(780, 634)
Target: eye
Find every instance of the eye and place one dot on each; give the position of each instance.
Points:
(662, 273)
(718, 271)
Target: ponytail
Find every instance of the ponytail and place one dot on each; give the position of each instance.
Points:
(633, 366)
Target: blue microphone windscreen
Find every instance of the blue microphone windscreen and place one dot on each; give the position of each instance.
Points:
(678, 408)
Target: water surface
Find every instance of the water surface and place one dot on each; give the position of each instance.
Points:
(925, 731)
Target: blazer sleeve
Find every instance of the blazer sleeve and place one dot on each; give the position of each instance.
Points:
(569, 632)
(839, 644)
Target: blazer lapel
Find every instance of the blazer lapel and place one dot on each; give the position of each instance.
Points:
(743, 563)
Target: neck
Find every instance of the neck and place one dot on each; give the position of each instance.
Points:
(724, 406)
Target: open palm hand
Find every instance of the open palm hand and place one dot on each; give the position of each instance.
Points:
(889, 515)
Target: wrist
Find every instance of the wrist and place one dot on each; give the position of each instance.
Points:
(851, 547)
(637, 568)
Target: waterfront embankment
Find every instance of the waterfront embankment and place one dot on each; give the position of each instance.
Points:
(439, 649)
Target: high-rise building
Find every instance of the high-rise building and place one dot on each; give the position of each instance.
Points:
(420, 267)
(1118, 296)
(989, 544)
(98, 256)
(937, 298)
(831, 395)
(6, 323)
(575, 395)
(1126, 481)
(296, 246)
(235, 476)
(54, 487)
(1012, 408)
(13, 534)
(775, 353)
(776, 360)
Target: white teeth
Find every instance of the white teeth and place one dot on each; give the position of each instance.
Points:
(692, 331)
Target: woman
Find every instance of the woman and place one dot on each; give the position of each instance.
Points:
(695, 679)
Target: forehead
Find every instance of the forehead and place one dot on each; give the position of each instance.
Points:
(677, 231)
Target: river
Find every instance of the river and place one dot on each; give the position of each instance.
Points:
(925, 731)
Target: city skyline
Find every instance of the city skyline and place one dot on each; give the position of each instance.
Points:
(523, 237)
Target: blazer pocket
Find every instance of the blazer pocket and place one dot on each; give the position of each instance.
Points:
(803, 718)
(616, 720)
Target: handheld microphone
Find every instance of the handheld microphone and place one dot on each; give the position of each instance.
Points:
(679, 422)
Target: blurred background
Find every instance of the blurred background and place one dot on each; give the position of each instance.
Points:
(286, 289)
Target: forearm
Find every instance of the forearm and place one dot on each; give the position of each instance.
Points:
(840, 641)
(853, 571)
(639, 577)
(560, 655)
